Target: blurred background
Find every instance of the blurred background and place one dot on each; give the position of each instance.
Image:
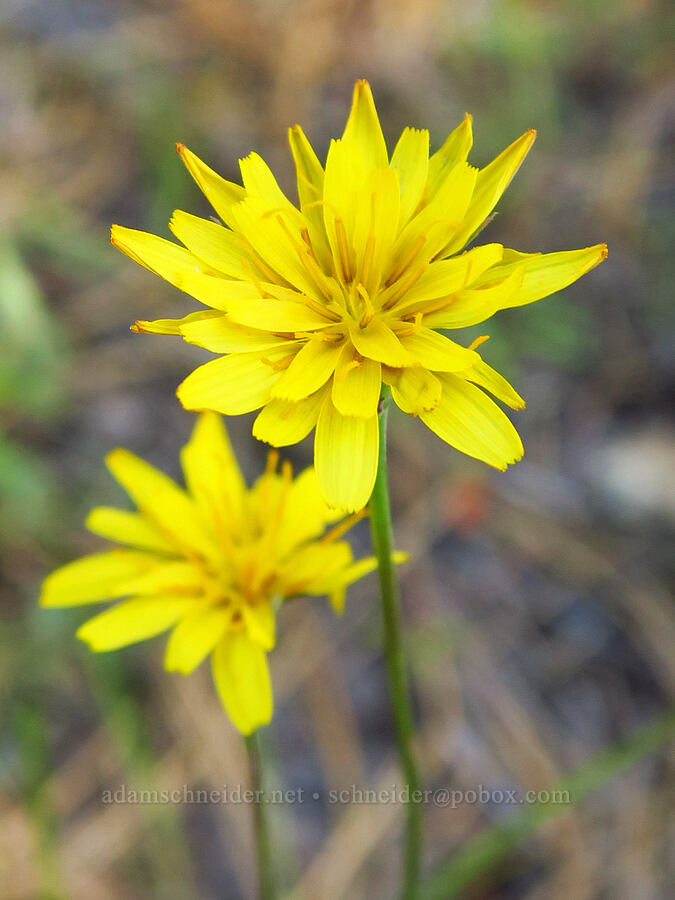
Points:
(539, 618)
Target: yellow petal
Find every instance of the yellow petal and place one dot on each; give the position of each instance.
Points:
(436, 352)
(284, 422)
(193, 638)
(491, 183)
(375, 226)
(345, 175)
(216, 291)
(305, 570)
(93, 578)
(357, 570)
(356, 385)
(221, 194)
(467, 419)
(160, 499)
(220, 334)
(260, 623)
(278, 315)
(178, 266)
(345, 456)
(212, 473)
(305, 514)
(132, 621)
(363, 132)
(337, 600)
(310, 369)
(454, 150)
(232, 385)
(173, 326)
(377, 341)
(346, 575)
(162, 257)
(414, 390)
(217, 247)
(310, 192)
(486, 377)
(263, 502)
(411, 160)
(309, 169)
(242, 679)
(127, 528)
(276, 236)
(167, 578)
(544, 273)
(480, 259)
(439, 220)
(259, 181)
(476, 305)
(446, 277)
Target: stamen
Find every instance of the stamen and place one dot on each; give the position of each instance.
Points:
(259, 264)
(308, 260)
(367, 258)
(438, 305)
(407, 259)
(341, 374)
(256, 281)
(279, 210)
(265, 270)
(319, 308)
(316, 272)
(237, 621)
(413, 328)
(280, 364)
(266, 583)
(478, 341)
(267, 481)
(467, 277)
(330, 336)
(305, 180)
(343, 527)
(404, 286)
(312, 205)
(423, 201)
(272, 462)
(304, 234)
(342, 260)
(287, 470)
(341, 236)
(369, 311)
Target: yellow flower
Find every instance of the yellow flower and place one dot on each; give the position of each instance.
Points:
(212, 562)
(313, 308)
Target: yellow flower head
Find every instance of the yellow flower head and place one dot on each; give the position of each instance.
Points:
(314, 307)
(212, 562)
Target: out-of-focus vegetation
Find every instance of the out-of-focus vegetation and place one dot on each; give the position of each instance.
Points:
(541, 629)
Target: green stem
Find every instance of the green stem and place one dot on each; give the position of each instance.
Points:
(265, 880)
(381, 529)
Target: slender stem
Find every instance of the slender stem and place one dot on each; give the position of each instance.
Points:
(381, 529)
(265, 880)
